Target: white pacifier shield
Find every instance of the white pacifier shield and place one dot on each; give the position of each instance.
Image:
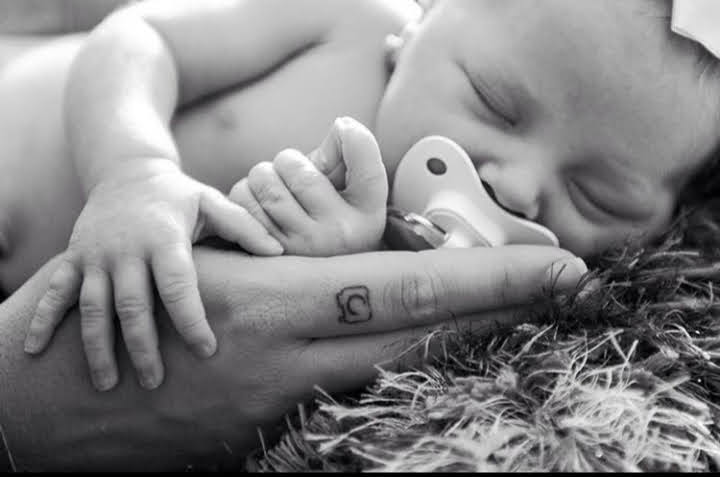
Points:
(437, 180)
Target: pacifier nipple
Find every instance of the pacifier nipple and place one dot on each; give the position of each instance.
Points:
(465, 224)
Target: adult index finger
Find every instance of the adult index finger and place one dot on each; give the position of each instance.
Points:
(387, 291)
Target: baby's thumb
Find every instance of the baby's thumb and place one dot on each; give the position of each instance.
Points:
(328, 158)
(351, 159)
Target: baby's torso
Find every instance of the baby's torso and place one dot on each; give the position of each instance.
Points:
(219, 139)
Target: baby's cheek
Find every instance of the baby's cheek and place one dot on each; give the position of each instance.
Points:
(582, 238)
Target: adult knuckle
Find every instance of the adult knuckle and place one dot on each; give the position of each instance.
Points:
(503, 283)
(420, 293)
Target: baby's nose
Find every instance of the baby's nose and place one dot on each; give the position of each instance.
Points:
(518, 191)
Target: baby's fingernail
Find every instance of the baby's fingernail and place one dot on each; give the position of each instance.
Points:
(205, 350)
(32, 344)
(103, 381)
(345, 123)
(149, 380)
(274, 247)
(566, 273)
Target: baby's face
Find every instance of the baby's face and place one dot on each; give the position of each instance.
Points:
(583, 116)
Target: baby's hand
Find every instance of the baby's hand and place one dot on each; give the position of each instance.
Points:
(135, 234)
(296, 200)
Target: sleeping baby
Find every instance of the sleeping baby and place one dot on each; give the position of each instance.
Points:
(592, 119)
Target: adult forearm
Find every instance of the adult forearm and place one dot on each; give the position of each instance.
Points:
(122, 92)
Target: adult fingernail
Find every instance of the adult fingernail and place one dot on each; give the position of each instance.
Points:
(566, 273)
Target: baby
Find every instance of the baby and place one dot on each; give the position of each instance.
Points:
(590, 118)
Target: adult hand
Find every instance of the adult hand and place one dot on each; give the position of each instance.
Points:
(284, 326)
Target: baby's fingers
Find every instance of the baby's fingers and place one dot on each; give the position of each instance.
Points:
(351, 149)
(366, 183)
(63, 292)
(133, 304)
(234, 223)
(312, 189)
(98, 331)
(176, 282)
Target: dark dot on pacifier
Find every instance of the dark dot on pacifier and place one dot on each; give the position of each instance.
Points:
(436, 166)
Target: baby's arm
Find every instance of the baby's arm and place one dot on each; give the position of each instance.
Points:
(142, 213)
(331, 202)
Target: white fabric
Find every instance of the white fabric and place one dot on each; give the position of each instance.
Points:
(698, 20)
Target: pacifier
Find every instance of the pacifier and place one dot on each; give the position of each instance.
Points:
(439, 201)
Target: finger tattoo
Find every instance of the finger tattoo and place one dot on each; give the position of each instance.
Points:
(354, 303)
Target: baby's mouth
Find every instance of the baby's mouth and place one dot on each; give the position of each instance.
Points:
(493, 196)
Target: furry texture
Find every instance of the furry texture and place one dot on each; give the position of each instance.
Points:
(623, 376)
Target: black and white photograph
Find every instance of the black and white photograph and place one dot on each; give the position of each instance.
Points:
(360, 236)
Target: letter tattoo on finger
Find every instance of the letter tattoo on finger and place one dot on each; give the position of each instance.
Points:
(354, 303)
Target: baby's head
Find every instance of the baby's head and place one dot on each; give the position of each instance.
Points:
(590, 118)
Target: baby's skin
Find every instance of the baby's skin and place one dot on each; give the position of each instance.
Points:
(575, 113)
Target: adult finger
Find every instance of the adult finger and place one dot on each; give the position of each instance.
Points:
(63, 292)
(339, 364)
(133, 304)
(97, 328)
(307, 184)
(234, 223)
(276, 200)
(386, 291)
(176, 282)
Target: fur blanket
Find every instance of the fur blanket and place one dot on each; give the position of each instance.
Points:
(623, 377)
